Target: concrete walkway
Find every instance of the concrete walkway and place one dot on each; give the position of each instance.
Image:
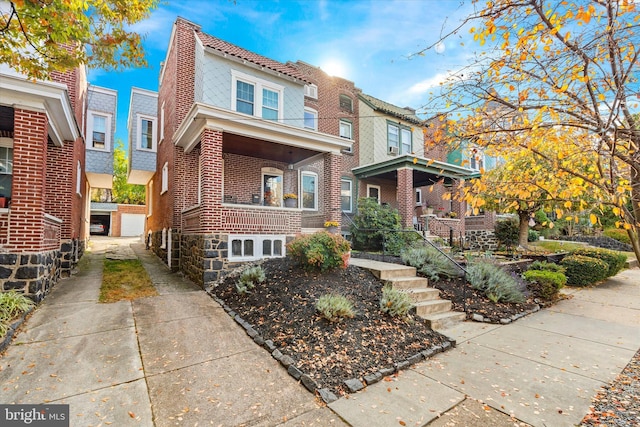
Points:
(178, 359)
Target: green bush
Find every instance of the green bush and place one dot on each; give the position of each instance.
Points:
(373, 216)
(320, 251)
(335, 307)
(429, 261)
(615, 260)
(249, 278)
(544, 284)
(507, 232)
(395, 302)
(541, 218)
(496, 283)
(547, 266)
(12, 304)
(533, 236)
(583, 270)
(618, 234)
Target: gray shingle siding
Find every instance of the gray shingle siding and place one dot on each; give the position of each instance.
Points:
(147, 105)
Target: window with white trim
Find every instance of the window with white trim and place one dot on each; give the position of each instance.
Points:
(256, 97)
(346, 129)
(99, 131)
(146, 133)
(309, 191)
(310, 118)
(418, 197)
(399, 138)
(165, 178)
(255, 247)
(346, 195)
(6, 167)
(373, 192)
(311, 91)
(476, 159)
(162, 122)
(79, 179)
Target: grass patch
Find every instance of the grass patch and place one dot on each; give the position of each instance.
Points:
(125, 280)
(555, 246)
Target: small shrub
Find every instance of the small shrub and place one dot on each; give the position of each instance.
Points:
(496, 283)
(335, 307)
(583, 270)
(545, 284)
(547, 266)
(249, 278)
(12, 304)
(533, 236)
(429, 261)
(373, 216)
(320, 251)
(619, 234)
(541, 218)
(507, 232)
(615, 260)
(394, 302)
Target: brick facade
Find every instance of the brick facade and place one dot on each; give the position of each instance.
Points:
(116, 217)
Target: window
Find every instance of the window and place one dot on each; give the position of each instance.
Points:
(272, 187)
(254, 247)
(399, 139)
(418, 197)
(165, 178)
(373, 191)
(256, 97)
(310, 119)
(346, 195)
(79, 179)
(146, 133)
(6, 167)
(345, 129)
(311, 91)
(476, 159)
(162, 122)
(346, 103)
(99, 131)
(309, 191)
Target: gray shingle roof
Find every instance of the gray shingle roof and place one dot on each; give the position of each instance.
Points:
(399, 112)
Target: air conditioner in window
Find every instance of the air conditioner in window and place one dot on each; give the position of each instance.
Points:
(393, 150)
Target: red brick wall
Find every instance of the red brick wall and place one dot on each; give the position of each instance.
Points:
(116, 217)
(243, 177)
(26, 225)
(331, 184)
(406, 198)
(211, 177)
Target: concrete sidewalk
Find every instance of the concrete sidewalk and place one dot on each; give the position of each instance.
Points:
(178, 359)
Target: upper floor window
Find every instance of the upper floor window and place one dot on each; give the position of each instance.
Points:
(476, 159)
(146, 133)
(309, 191)
(310, 119)
(99, 131)
(346, 103)
(256, 97)
(6, 167)
(311, 91)
(399, 139)
(346, 129)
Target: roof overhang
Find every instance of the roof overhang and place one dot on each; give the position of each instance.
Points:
(49, 97)
(202, 116)
(426, 171)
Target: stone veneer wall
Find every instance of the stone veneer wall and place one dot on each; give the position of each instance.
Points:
(31, 274)
(481, 240)
(204, 257)
(600, 242)
(68, 255)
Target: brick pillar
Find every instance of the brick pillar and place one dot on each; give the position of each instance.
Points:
(332, 168)
(26, 225)
(212, 179)
(405, 196)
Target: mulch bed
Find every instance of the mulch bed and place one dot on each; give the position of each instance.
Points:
(282, 309)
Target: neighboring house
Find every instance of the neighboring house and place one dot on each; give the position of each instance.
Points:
(102, 105)
(43, 186)
(143, 135)
(232, 142)
(118, 220)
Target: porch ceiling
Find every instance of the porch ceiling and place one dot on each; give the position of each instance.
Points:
(425, 171)
(246, 146)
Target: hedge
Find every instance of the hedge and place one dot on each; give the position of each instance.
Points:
(615, 260)
(583, 270)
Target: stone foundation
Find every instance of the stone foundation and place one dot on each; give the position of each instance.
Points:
(70, 254)
(31, 274)
(204, 257)
(481, 240)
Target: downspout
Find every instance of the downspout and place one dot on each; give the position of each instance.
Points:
(169, 248)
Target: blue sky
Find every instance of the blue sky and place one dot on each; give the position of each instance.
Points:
(366, 41)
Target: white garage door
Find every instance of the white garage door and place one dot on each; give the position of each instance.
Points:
(132, 224)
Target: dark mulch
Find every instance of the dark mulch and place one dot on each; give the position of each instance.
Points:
(282, 309)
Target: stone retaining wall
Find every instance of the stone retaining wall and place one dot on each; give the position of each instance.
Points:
(481, 240)
(601, 242)
(31, 274)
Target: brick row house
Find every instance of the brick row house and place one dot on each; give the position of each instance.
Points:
(43, 186)
(237, 131)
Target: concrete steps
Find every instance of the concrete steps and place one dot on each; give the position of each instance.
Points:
(437, 312)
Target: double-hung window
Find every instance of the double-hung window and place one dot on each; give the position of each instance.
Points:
(6, 167)
(310, 119)
(99, 131)
(399, 138)
(345, 129)
(346, 195)
(309, 191)
(256, 97)
(146, 133)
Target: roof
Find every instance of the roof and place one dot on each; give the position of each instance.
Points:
(243, 54)
(399, 112)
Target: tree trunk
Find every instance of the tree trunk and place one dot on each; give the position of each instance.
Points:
(523, 231)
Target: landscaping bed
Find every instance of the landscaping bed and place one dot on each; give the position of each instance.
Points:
(282, 311)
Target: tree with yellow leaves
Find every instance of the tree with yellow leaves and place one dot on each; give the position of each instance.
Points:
(568, 69)
(41, 36)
